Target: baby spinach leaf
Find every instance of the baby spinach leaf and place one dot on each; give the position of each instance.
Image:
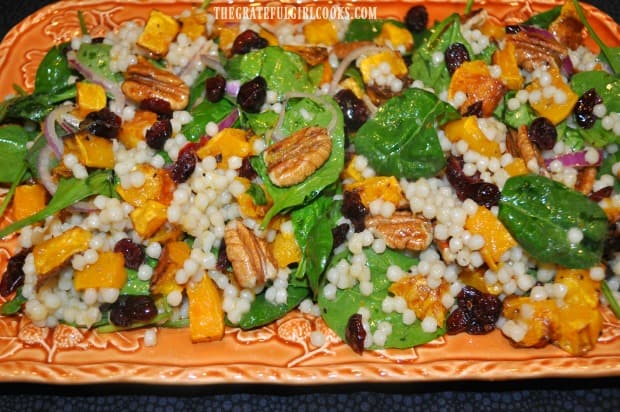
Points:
(263, 312)
(539, 212)
(53, 72)
(13, 306)
(606, 167)
(544, 19)
(13, 140)
(135, 285)
(607, 86)
(96, 56)
(198, 87)
(69, 192)
(260, 123)
(337, 312)
(204, 113)
(401, 139)
(609, 295)
(365, 29)
(577, 137)
(258, 195)
(296, 117)
(37, 105)
(514, 118)
(282, 70)
(442, 35)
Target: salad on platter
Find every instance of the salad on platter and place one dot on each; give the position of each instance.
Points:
(401, 178)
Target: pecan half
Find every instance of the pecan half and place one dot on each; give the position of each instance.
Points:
(293, 159)
(519, 144)
(312, 55)
(251, 260)
(585, 180)
(534, 48)
(143, 81)
(402, 230)
(343, 49)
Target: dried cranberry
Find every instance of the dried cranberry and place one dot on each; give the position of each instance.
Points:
(215, 88)
(222, 264)
(416, 19)
(339, 234)
(97, 40)
(246, 170)
(354, 210)
(14, 276)
(512, 29)
(542, 133)
(474, 109)
(184, 166)
(612, 242)
(584, 108)
(130, 309)
(132, 252)
(355, 333)
(252, 94)
(247, 41)
(484, 193)
(157, 134)
(476, 312)
(102, 123)
(156, 105)
(455, 55)
(353, 109)
(601, 194)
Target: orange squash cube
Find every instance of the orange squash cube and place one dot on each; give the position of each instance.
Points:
(28, 200)
(55, 252)
(107, 272)
(206, 316)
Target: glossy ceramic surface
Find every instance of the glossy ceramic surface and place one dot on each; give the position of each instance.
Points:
(282, 352)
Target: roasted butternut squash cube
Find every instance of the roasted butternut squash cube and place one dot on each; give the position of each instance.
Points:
(377, 187)
(172, 258)
(91, 97)
(227, 143)
(227, 36)
(272, 40)
(194, 25)
(421, 298)
(55, 252)
(148, 218)
(467, 129)
(158, 185)
(395, 36)
(474, 79)
(159, 32)
(517, 167)
(133, 131)
(475, 279)
(28, 200)
(321, 32)
(206, 316)
(285, 249)
(107, 272)
(506, 59)
(397, 65)
(94, 151)
(549, 107)
(497, 239)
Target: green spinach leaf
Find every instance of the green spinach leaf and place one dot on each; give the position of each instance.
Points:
(198, 87)
(337, 312)
(13, 306)
(401, 139)
(53, 73)
(96, 56)
(204, 113)
(524, 115)
(539, 212)
(36, 106)
(13, 140)
(365, 29)
(544, 19)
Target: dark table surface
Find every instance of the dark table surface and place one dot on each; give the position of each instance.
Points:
(523, 395)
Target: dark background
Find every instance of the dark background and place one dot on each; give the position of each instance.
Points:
(524, 395)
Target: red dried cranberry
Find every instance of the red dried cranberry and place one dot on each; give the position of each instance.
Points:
(355, 333)
(612, 242)
(157, 105)
(184, 166)
(130, 309)
(476, 312)
(472, 187)
(102, 123)
(542, 133)
(252, 95)
(353, 109)
(339, 234)
(512, 29)
(584, 108)
(484, 193)
(222, 264)
(157, 134)
(456, 54)
(353, 209)
(14, 275)
(247, 41)
(416, 19)
(132, 252)
(601, 194)
(246, 170)
(474, 109)
(215, 88)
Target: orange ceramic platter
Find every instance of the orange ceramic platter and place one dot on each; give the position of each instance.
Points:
(281, 353)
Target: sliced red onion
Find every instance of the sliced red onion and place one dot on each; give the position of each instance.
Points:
(537, 30)
(214, 64)
(232, 87)
(229, 120)
(575, 159)
(342, 67)
(84, 207)
(49, 129)
(110, 86)
(43, 167)
(567, 68)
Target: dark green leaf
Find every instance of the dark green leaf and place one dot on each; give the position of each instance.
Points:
(337, 312)
(364, 29)
(198, 87)
(53, 73)
(37, 106)
(96, 56)
(607, 86)
(401, 139)
(544, 19)
(539, 212)
(606, 167)
(135, 285)
(13, 140)
(204, 113)
(609, 295)
(13, 306)
(69, 192)
(258, 195)
(260, 123)
(524, 115)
